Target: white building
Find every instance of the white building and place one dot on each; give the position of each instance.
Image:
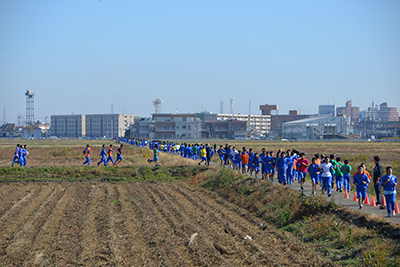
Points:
(108, 125)
(316, 127)
(94, 125)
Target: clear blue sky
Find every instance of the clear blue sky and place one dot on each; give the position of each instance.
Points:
(83, 56)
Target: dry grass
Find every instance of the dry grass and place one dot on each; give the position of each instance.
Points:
(68, 154)
(345, 236)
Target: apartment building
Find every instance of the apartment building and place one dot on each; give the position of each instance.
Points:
(108, 125)
(189, 126)
(68, 125)
(256, 124)
(349, 111)
(93, 125)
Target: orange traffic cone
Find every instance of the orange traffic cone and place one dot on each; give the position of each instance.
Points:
(383, 202)
(355, 196)
(366, 200)
(396, 208)
(373, 204)
(346, 194)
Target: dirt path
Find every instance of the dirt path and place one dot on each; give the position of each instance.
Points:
(136, 224)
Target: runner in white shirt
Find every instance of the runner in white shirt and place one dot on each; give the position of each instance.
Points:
(326, 175)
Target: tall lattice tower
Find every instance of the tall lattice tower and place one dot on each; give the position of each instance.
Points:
(157, 103)
(231, 103)
(30, 109)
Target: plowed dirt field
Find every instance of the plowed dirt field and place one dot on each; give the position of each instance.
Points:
(136, 224)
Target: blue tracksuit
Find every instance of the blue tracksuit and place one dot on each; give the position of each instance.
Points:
(389, 191)
(103, 155)
(238, 161)
(346, 181)
(361, 187)
(289, 169)
(22, 157)
(282, 165)
(251, 159)
(263, 164)
(221, 153)
(270, 164)
(256, 164)
(314, 172)
(16, 156)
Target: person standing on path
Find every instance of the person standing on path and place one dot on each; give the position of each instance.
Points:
(377, 175)
(226, 155)
(208, 154)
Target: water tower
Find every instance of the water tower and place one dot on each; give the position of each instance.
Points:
(157, 103)
(30, 109)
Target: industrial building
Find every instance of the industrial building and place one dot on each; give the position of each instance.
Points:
(317, 127)
(277, 120)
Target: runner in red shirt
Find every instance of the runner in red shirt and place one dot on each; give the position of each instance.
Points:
(303, 164)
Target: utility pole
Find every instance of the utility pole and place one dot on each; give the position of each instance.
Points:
(4, 115)
(19, 119)
(250, 107)
(373, 118)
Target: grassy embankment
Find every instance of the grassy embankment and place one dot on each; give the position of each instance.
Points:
(347, 237)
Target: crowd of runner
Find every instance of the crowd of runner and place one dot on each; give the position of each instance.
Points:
(289, 166)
